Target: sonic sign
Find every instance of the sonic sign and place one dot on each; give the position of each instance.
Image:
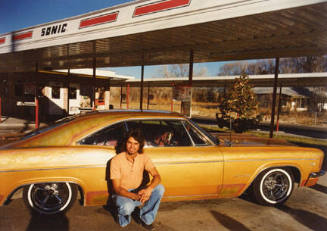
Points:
(85, 23)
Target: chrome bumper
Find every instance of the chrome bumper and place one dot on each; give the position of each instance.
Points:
(317, 174)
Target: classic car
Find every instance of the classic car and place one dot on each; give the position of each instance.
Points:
(53, 164)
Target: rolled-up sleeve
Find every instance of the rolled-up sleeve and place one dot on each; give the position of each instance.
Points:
(148, 164)
(115, 172)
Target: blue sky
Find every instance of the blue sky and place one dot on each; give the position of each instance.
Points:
(19, 14)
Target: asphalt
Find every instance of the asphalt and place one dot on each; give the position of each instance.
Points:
(16, 125)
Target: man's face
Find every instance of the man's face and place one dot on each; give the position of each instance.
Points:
(132, 146)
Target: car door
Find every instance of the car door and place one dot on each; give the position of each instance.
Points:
(189, 164)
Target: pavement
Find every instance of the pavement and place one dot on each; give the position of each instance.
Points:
(16, 125)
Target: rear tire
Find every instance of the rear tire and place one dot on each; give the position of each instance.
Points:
(273, 187)
(50, 198)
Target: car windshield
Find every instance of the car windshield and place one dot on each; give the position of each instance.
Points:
(211, 137)
(49, 127)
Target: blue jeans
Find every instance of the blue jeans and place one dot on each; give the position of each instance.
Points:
(148, 212)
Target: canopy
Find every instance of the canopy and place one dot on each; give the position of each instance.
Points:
(164, 32)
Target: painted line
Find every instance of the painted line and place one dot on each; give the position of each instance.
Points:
(107, 18)
(160, 6)
(2, 40)
(23, 36)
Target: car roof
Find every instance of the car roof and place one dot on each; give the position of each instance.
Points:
(124, 114)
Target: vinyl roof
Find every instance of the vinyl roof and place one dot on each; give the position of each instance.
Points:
(154, 32)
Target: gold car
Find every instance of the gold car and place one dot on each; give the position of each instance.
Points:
(73, 155)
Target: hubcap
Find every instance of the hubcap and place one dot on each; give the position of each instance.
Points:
(50, 197)
(276, 186)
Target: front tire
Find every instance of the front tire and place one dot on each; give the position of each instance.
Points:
(50, 198)
(273, 187)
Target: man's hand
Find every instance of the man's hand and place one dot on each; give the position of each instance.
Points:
(123, 192)
(145, 194)
(135, 197)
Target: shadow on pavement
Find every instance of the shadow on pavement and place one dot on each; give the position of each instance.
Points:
(228, 222)
(54, 222)
(309, 219)
(320, 188)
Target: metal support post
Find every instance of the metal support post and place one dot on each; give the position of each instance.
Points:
(121, 96)
(191, 79)
(272, 122)
(93, 77)
(36, 97)
(190, 72)
(279, 107)
(67, 82)
(148, 102)
(141, 90)
(127, 97)
(172, 98)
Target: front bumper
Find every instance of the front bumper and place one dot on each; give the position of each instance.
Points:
(313, 178)
(317, 174)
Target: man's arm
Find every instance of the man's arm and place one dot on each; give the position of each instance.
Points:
(123, 192)
(146, 193)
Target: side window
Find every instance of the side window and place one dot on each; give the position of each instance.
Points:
(108, 136)
(196, 136)
(162, 132)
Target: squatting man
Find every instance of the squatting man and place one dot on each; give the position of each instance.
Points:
(126, 173)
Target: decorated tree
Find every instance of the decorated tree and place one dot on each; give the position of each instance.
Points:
(238, 103)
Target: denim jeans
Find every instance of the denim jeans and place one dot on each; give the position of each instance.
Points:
(125, 207)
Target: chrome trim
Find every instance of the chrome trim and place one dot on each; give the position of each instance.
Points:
(264, 160)
(317, 174)
(193, 195)
(189, 162)
(187, 132)
(197, 128)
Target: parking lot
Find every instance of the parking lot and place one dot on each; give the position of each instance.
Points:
(305, 210)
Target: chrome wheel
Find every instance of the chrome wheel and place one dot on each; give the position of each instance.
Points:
(273, 187)
(50, 198)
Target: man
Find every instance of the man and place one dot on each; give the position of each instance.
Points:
(126, 173)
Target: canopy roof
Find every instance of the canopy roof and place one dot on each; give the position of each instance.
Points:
(267, 80)
(153, 32)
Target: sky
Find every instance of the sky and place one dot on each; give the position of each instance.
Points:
(19, 14)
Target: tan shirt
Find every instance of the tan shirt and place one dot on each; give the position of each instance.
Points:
(129, 173)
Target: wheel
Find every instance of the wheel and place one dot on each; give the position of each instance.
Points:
(50, 198)
(273, 186)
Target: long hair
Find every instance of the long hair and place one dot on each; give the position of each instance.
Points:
(138, 136)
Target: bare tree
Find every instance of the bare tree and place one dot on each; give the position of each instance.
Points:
(235, 68)
(179, 70)
(287, 65)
